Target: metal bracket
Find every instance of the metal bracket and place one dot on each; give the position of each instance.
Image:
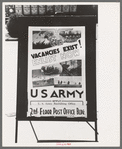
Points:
(91, 126)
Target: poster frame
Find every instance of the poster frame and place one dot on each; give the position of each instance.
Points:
(90, 33)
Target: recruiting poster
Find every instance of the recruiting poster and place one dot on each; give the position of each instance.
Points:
(56, 72)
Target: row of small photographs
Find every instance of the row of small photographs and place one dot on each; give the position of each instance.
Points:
(49, 38)
(61, 82)
(36, 10)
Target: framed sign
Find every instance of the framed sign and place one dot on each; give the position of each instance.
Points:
(57, 70)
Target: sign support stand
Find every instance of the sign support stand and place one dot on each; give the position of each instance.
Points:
(54, 141)
(16, 131)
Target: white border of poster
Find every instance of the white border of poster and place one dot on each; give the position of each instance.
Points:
(56, 72)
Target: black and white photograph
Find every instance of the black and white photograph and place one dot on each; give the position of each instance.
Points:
(61, 74)
(71, 68)
(49, 37)
(43, 39)
(45, 76)
(68, 82)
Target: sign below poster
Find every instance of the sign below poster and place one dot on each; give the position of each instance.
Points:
(56, 72)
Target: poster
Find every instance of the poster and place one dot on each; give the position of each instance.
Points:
(56, 72)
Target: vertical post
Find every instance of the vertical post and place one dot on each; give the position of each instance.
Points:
(16, 131)
(96, 138)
